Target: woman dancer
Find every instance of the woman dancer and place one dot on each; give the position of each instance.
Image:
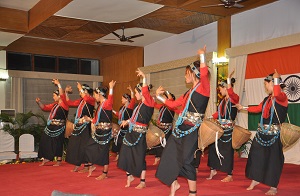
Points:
(225, 116)
(164, 122)
(82, 129)
(133, 151)
(124, 113)
(52, 140)
(178, 155)
(97, 148)
(265, 160)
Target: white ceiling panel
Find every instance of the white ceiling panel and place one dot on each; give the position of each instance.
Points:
(7, 38)
(150, 36)
(108, 11)
(24, 5)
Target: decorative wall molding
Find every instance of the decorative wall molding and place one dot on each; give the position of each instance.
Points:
(174, 64)
(281, 42)
(61, 76)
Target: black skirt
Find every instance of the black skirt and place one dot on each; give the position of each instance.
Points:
(51, 147)
(265, 163)
(77, 144)
(177, 157)
(97, 148)
(226, 150)
(132, 158)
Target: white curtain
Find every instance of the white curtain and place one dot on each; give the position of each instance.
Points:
(238, 64)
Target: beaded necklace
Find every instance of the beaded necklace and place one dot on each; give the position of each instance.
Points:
(264, 131)
(131, 124)
(227, 132)
(52, 113)
(177, 132)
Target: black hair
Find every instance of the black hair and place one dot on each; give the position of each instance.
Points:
(102, 90)
(223, 83)
(196, 64)
(127, 96)
(139, 87)
(87, 88)
(56, 92)
(270, 78)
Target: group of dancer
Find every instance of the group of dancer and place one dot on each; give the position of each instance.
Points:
(89, 143)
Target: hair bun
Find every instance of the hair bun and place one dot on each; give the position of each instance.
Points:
(233, 80)
(150, 86)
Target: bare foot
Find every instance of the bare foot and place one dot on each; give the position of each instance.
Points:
(102, 176)
(174, 187)
(227, 179)
(129, 180)
(91, 169)
(84, 170)
(58, 163)
(156, 161)
(212, 174)
(75, 169)
(44, 162)
(252, 185)
(272, 191)
(141, 185)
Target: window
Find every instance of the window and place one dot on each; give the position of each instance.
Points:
(18, 61)
(68, 65)
(44, 63)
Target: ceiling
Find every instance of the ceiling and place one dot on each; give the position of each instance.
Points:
(93, 21)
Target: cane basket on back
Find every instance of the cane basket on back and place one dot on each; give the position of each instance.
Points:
(239, 136)
(289, 135)
(207, 133)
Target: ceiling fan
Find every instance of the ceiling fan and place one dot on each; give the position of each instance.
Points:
(124, 38)
(228, 4)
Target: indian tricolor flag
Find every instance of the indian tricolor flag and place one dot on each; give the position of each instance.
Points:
(287, 63)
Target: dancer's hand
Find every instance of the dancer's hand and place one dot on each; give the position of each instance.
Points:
(129, 88)
(231, 74)
(112, 84)
(202, 50)
(68, 89)
(124, 123)
(56, 82)
(140, 73)
(37, 100)
(276, 74)
(160, 90)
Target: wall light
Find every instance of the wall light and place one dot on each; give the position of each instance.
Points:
(221, 60)
(3, 75)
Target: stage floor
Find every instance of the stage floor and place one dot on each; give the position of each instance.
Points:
(31, 179)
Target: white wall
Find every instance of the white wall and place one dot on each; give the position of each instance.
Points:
(273, 20)
(182, 45)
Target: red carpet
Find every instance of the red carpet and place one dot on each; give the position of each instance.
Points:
(30, 179)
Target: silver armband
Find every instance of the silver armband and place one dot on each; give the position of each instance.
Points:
(58, 85)
(228, 80)
(144, 80)
(245, 107)
(161, 98)
(202, 58)
(276, 81)
(111, 91)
